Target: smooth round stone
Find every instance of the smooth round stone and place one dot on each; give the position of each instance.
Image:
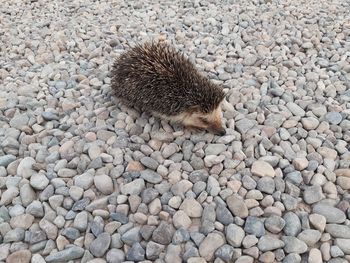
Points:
(104, 184)
(39, 181)
(334, 118)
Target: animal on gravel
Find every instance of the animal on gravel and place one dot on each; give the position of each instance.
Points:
(158, 79)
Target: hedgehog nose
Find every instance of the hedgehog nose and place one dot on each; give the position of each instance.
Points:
(221, 132)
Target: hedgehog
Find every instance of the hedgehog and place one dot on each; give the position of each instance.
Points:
(157, 78)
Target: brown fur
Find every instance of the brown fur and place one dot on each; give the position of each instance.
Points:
(157, 78)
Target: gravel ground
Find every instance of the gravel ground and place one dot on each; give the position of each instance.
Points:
(84, 179)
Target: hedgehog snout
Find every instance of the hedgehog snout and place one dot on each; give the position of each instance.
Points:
(221, 131)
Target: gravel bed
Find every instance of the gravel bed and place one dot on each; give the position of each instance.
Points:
(84, 179)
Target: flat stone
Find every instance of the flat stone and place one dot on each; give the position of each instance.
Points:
(342, 172)
(332, 214)
(49, 116)
(310, 236)
(295, 109)
(151, 176)
(268, 243)
(22, 221)
(338, 231)
(133, 188)
(22, 256)
(120, 217)
(14, 235)
(71, 253)
(215, 149)
(19, 121)
(5, 160)
(294, 245)
(244, 125)
(262, 168)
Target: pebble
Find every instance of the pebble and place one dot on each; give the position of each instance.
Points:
(71, 253)
(237, 206)
(115, 255)
(181, 220)
(293, 224)
(294, 245)
(332, 214)
(5, 160)
(295, 109)
(268, 243)
(334, 118)
(262, 168)
(234, 235)
(24, 168)
(136, 253)
(104, 184)
(210, 244)
(223, 215)
(100, 245)
(163, 233)
(133, 188)
(151, 177)
(244, 125)
(153, 250)
(313, 194)
(274, 224)
(8, 195)
(254, 225)
(315, 256)
(39, 181)
(310, 123)
(20, 256)
(338, 231)
(192, 208)
(318, 221)
(310, 236)
(22, 221)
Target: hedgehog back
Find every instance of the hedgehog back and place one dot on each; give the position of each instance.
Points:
(157, 78)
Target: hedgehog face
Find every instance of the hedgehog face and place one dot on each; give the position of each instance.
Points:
(205, 121)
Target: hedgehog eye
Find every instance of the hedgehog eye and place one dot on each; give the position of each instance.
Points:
(205, 121)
